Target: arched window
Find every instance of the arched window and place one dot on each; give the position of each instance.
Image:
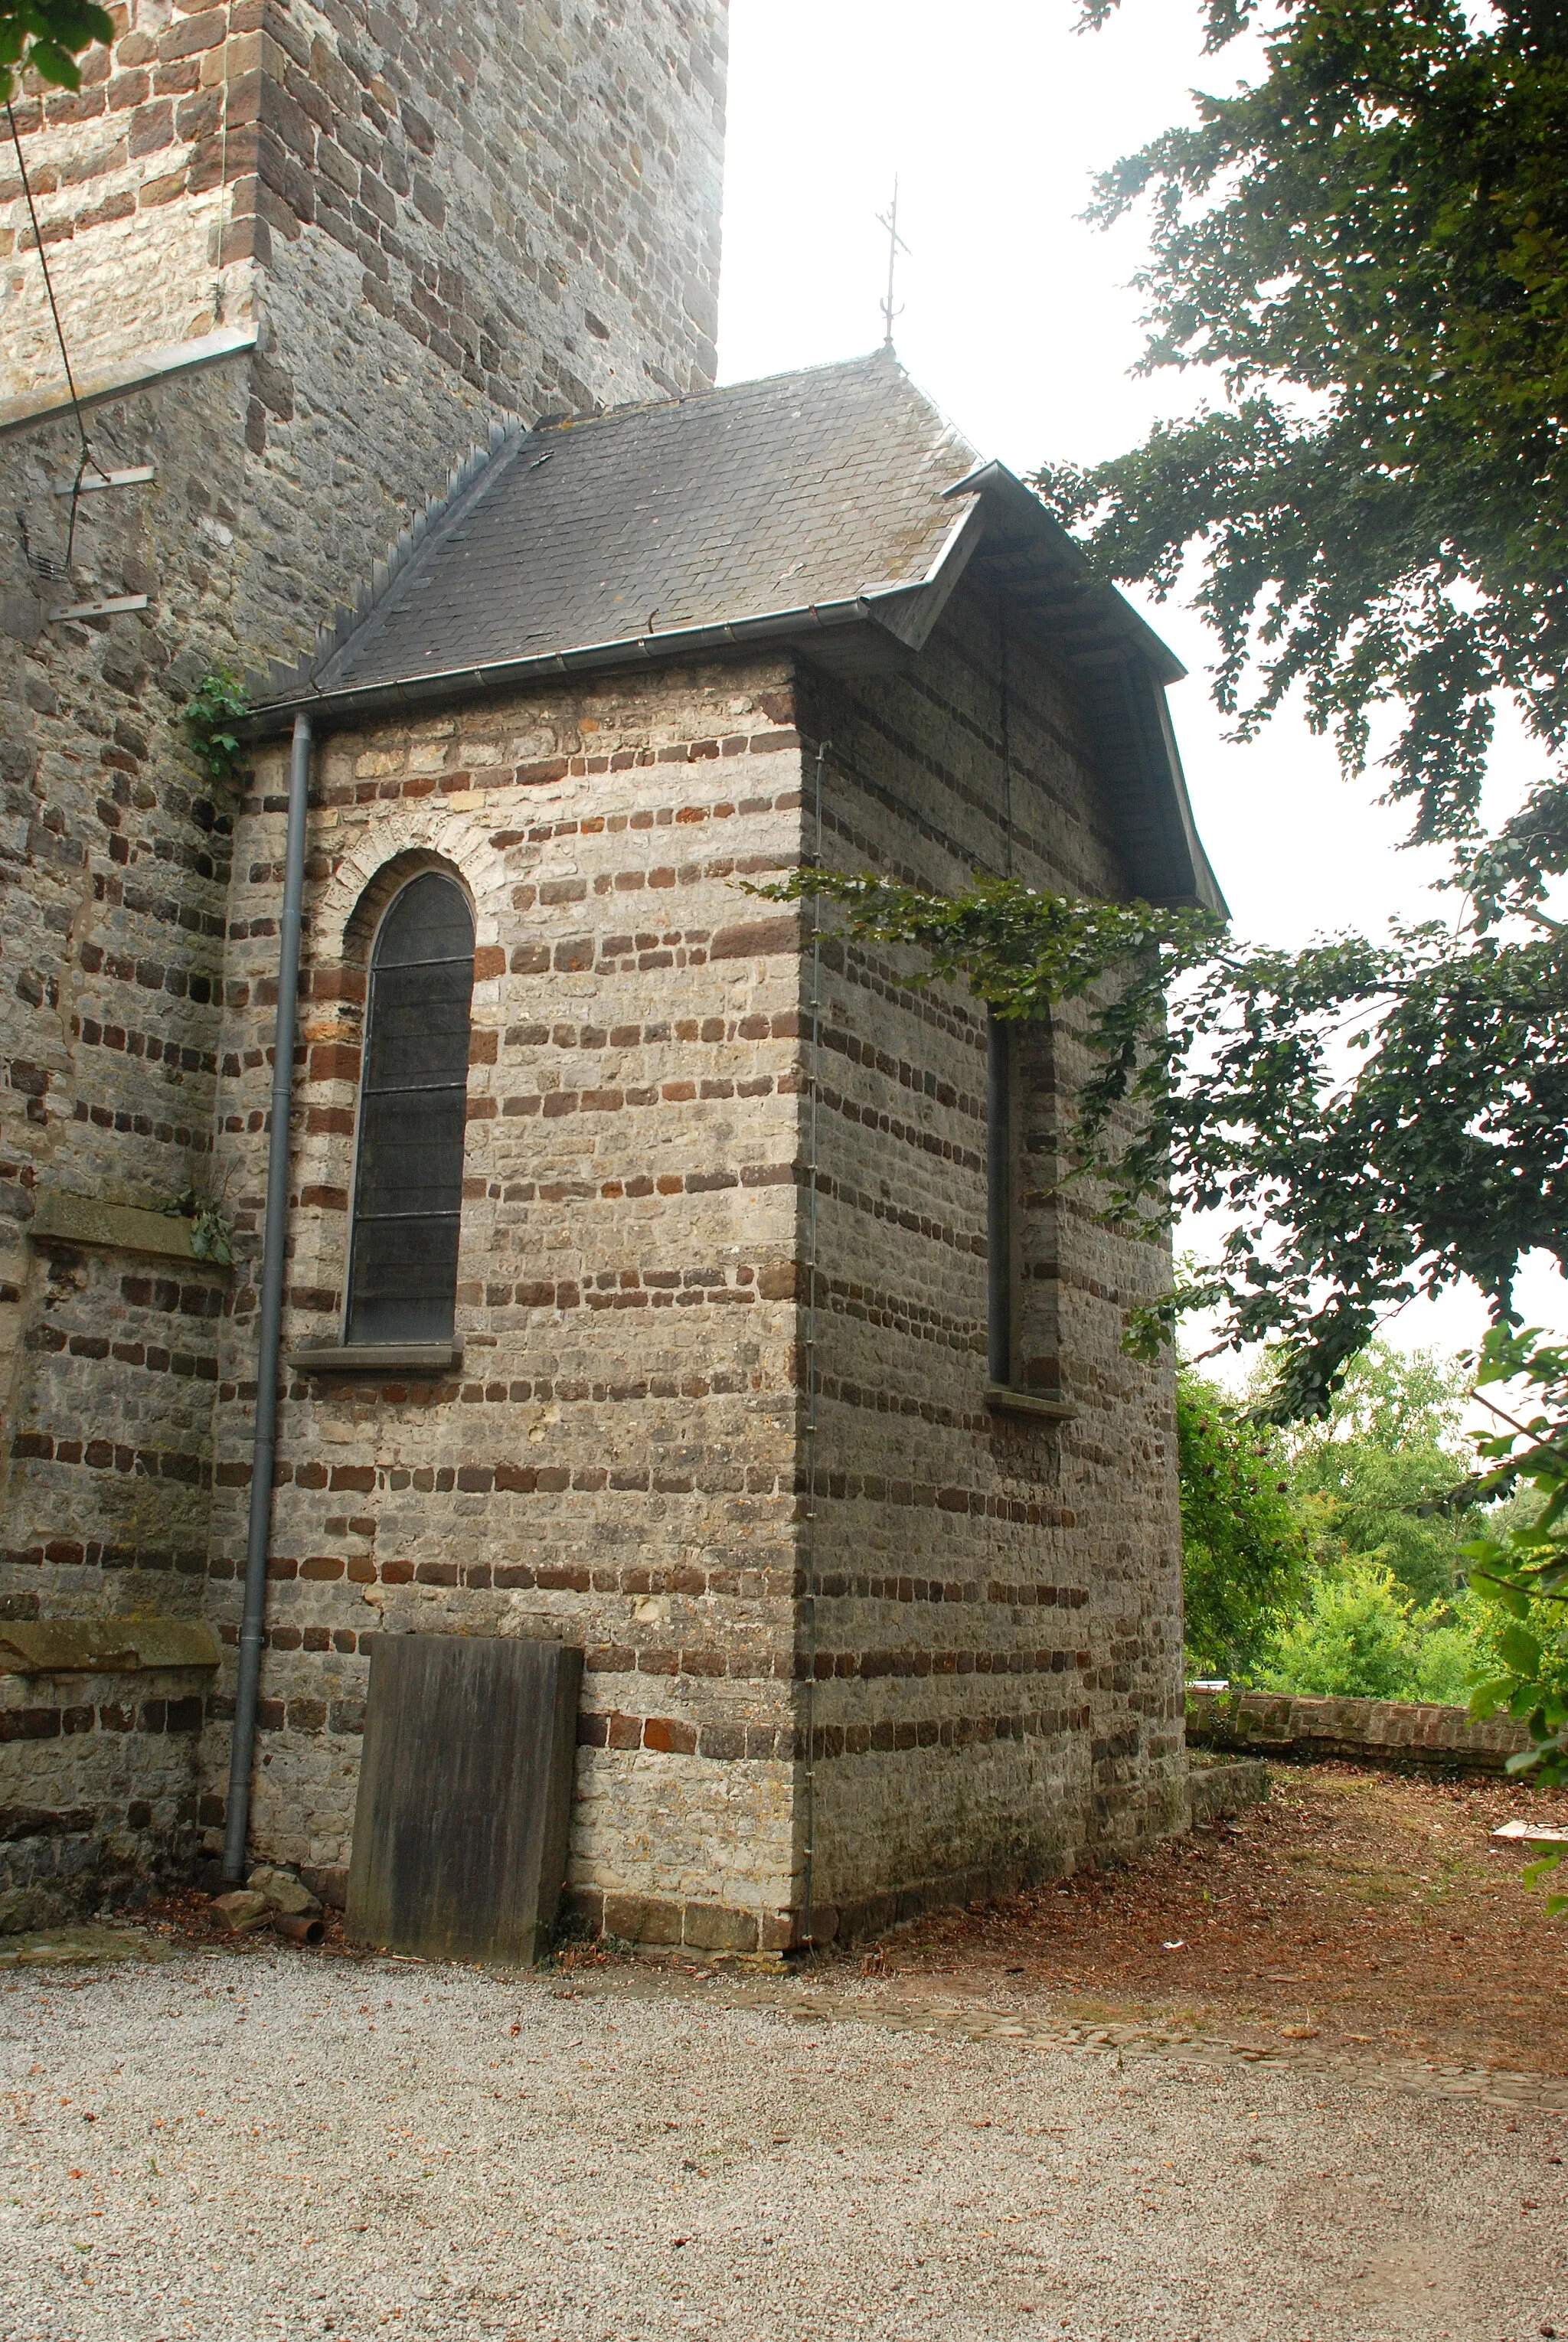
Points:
(413, 1100)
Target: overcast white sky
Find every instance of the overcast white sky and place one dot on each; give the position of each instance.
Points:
(1019, 322)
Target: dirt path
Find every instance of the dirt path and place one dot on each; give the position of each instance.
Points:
(1356, 1908)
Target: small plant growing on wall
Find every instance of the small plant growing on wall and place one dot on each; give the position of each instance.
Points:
(209, 1229)
(210, 716)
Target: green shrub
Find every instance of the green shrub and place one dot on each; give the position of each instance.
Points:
(1244, 1550)
(1360, 1637)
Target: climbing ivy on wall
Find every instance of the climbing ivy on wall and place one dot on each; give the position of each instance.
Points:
(210, 716)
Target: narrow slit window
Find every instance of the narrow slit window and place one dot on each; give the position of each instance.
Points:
(1022, 1208)
(413, 1105)
(1000, 1250)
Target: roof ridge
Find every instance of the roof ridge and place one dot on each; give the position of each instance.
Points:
(506, 432)
(880, 355)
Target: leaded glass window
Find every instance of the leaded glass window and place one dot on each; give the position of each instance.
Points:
(412, 1102)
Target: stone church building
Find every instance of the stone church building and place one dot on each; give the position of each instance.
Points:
(662, 1277)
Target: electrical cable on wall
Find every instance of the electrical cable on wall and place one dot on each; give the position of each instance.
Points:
(89, 461)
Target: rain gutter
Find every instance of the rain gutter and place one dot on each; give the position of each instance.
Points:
(448, 683)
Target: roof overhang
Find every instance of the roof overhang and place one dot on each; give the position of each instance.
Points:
(824, 625)
(1020, 549)
(1123, 666)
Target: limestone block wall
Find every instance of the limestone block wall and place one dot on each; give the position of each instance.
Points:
(455, 211)
(615, 1461)
(423, 213)
(425, 216)
(129, 177)
(98, 1786)
(998, 1641)
(526, 196)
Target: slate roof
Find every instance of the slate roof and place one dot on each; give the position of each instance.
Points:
(766, 497)
(835, 508)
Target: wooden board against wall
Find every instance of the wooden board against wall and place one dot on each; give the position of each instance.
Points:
(464, 1796)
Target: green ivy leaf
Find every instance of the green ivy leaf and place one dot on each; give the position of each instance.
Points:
(210, 716)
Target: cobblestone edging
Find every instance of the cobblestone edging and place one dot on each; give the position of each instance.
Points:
(1362, 1731)
(781, 1994)
(1127, 2043)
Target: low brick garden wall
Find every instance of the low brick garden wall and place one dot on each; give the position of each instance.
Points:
(1391, 1732)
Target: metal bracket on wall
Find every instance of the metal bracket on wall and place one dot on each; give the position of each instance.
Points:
(110, 609)
(91, 480)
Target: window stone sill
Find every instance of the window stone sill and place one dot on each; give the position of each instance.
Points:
(379, 1359)
(1003, 1401)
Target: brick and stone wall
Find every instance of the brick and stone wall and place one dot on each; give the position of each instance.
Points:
(991, 1669)
(999, 1610)
(114, 877)
(1417, 1734)
(615, 1461)
(418, 218)
(409, 220)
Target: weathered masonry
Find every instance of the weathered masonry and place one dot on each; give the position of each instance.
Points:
(661, 1277)
(303, 255)
(714, 1391)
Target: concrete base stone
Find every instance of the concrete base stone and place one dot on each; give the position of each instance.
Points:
(849, 1922)
(79, 1947)
(24, 1908)
(97, 1782)
(697, 1927)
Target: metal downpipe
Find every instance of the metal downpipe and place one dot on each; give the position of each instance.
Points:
(275, 1245)
(812, 1388)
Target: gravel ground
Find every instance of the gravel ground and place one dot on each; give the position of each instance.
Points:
(234, 2146)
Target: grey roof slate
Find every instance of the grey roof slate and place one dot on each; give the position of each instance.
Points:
(833, 508)
(803, 489)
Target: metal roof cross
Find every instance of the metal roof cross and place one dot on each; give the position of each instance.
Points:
(895, 244)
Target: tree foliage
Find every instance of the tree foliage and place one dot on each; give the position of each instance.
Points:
(1370, 246)
(1377, 1477)
(1358, 1636)
(1329, 1556)
(1519, 1566)
(46, 37)
(1243, 1546)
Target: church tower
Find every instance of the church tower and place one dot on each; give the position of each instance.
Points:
(386, 225)
(304, 257)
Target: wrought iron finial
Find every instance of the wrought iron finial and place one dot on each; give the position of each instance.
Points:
(895, 244)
